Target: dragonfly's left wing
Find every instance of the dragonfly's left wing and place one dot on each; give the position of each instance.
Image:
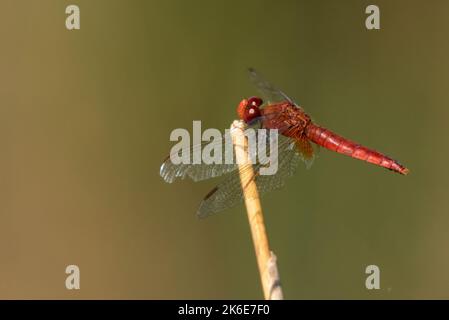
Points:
(170, 171)
(229, 192)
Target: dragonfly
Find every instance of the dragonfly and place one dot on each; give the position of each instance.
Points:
(299, 140)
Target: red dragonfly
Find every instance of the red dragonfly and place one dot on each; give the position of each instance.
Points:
(298, 137)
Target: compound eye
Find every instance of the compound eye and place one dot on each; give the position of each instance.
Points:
(251, 114)
(255, 102)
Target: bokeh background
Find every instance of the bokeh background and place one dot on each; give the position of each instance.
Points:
(85, 118)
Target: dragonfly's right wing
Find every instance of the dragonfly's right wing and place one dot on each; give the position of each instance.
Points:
(230, 193)
(267, 89)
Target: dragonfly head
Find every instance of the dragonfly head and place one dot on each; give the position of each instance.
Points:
(248, 109)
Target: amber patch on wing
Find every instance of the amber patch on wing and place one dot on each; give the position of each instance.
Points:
(305, 148)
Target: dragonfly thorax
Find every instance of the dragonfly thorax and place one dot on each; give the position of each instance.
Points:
(286, 117)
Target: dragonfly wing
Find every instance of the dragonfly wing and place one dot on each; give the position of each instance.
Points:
(230, 193)
(170, 171)
(288, 161)
(267, 89)
(306, 150)
(225, 195)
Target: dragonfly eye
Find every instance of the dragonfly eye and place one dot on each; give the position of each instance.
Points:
(255, 102)
(248, 110)
(251, 113)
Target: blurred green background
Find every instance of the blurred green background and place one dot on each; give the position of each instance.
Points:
(85, 119)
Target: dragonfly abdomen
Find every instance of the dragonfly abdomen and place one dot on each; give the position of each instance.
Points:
(334, 142)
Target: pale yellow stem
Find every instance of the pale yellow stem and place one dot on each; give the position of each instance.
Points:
(266, 260)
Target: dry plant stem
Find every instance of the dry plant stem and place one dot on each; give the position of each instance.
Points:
(266, 260)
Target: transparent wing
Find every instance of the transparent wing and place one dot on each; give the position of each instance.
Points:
(229, 192)
(169, 171)
(269, 92)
